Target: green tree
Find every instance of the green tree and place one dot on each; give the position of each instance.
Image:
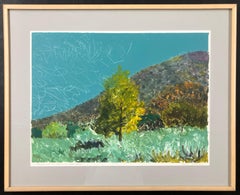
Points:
(119, 105)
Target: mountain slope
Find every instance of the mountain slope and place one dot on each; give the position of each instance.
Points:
(188, 67)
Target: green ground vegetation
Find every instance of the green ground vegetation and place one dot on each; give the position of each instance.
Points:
(162, 145)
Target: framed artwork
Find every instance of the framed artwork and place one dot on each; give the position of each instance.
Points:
(119, 97)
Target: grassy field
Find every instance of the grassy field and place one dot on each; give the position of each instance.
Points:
(163, 145)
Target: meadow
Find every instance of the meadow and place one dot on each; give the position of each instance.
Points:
(163, 145)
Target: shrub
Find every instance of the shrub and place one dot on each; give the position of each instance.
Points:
(165, 158)
(184, 114)
(192, 93)
(193, 156)
(36, 133)
(71, 129)
(55, 130)
(87, 145)
(150, 122)
(200, 157)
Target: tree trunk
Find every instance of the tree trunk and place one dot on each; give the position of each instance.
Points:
(120, 123)
(120, 134)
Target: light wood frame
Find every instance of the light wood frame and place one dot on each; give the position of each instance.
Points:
(7, 103)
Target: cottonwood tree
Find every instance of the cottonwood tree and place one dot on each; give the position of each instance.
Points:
(119, 107)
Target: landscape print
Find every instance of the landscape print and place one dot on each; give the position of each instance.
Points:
(109, 97)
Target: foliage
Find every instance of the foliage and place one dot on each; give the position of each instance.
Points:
(55, 130)
(93, 155)
(184, 114)
(177, 158)
(88, 124)
(192, 93)
(119, 105)
(87, 145)
(193, 156)
(165, 158)
(72, 129)
(182, 105)
(36, 133)
(137, 146)
(51, 150)
(150, 122)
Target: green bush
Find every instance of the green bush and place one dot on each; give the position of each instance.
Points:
(36, 133)
(55, 130)
(184, 114)
(150, 122)
(72, 129)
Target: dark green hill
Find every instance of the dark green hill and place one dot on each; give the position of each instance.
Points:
(188, 67)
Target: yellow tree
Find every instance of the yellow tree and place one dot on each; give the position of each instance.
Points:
(119, 107)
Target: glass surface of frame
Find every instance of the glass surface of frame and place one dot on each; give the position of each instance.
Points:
(54, 111)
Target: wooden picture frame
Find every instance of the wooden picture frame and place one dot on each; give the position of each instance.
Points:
(10, 82)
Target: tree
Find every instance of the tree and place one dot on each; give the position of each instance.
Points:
(119, 105)
(184, 114)
(182, 104)
(193, 93)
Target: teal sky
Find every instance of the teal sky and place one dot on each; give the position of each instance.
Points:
(69, 68)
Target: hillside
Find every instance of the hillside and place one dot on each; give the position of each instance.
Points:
(188, 67)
